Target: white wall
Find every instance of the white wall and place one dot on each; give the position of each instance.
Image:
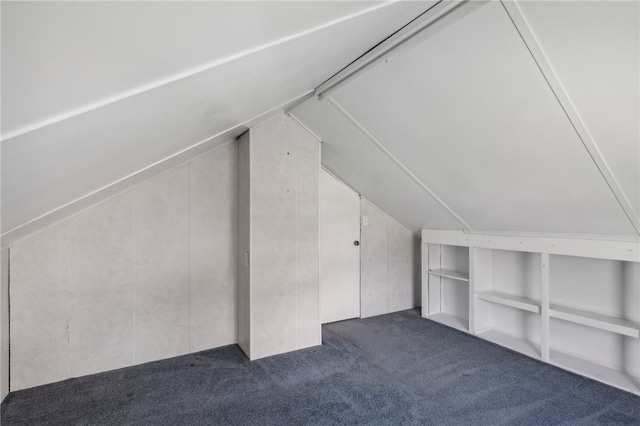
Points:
(4, 324)
(146, 275)
(389, 264)
(279, 288)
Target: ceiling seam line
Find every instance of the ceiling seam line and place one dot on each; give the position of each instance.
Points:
(397, 162)
(294, 118)
(553, 82)
(184, 74)
(8, 235)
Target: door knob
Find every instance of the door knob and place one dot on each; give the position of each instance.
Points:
(356, 243)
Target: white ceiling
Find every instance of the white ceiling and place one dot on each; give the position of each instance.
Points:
(469, 115)
(462, 131)
(96, 91)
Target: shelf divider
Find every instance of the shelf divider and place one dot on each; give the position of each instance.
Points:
(509, 300)
(592, 319)
(448, 273)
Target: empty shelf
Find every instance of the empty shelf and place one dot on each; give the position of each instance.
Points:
(450, 320)
(509, 300)
(514, 343)
(456, 275)
(610, 376)
(591, 319)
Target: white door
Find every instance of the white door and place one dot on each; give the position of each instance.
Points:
(339, 250)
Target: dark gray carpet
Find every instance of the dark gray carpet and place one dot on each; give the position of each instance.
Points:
(392, 369)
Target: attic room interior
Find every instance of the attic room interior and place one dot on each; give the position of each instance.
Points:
(320, 212)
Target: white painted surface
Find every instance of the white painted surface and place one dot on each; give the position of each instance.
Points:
(510, 300)
(101, 287)
(455, 293)
(243, 244)
(162, 266)
(374, 262)
(77, 304)
(594, 48)
(40, 305)
(212, 241)
(128, 45)
(389, 262)
(103, 145)
(339, 257)
(4, 324)
(579, 313)
(449, 273)
(351, 156)
(571, 245)
(482, 130)
(519, 132)
(279, 290)
(127, 183)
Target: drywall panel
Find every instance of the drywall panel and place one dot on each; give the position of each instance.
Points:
(470, 115)
(374, 262)
(403, 287)
(284, 221)
(278, 296)
(243, 243)
(39, 305)
(125, 45)
(162, 266)
(307, 163)
(389, 264)
(100, 287)
(212, 249)
(73, 294)
(103, 145)
(4, 324)
(273, 240)
(357, 161)
(594, 48)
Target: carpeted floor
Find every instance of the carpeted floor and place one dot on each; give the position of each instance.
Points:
(391, 369)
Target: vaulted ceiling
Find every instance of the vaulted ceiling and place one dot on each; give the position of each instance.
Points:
(516, 117)
(505, 116)
(93, 92)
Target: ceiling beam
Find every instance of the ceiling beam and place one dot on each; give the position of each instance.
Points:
(397, 162)
(522, 27)
(439, 16)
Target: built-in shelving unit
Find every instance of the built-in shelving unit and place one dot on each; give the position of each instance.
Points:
(573, 302)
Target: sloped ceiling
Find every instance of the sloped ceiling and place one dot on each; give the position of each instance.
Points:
(93, 92)
(508, 120)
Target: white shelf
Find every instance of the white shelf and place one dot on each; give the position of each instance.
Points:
(595, 371)
(510, 300)
(592, 319)
(514, 343)
(450, 320)
(448, 273)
